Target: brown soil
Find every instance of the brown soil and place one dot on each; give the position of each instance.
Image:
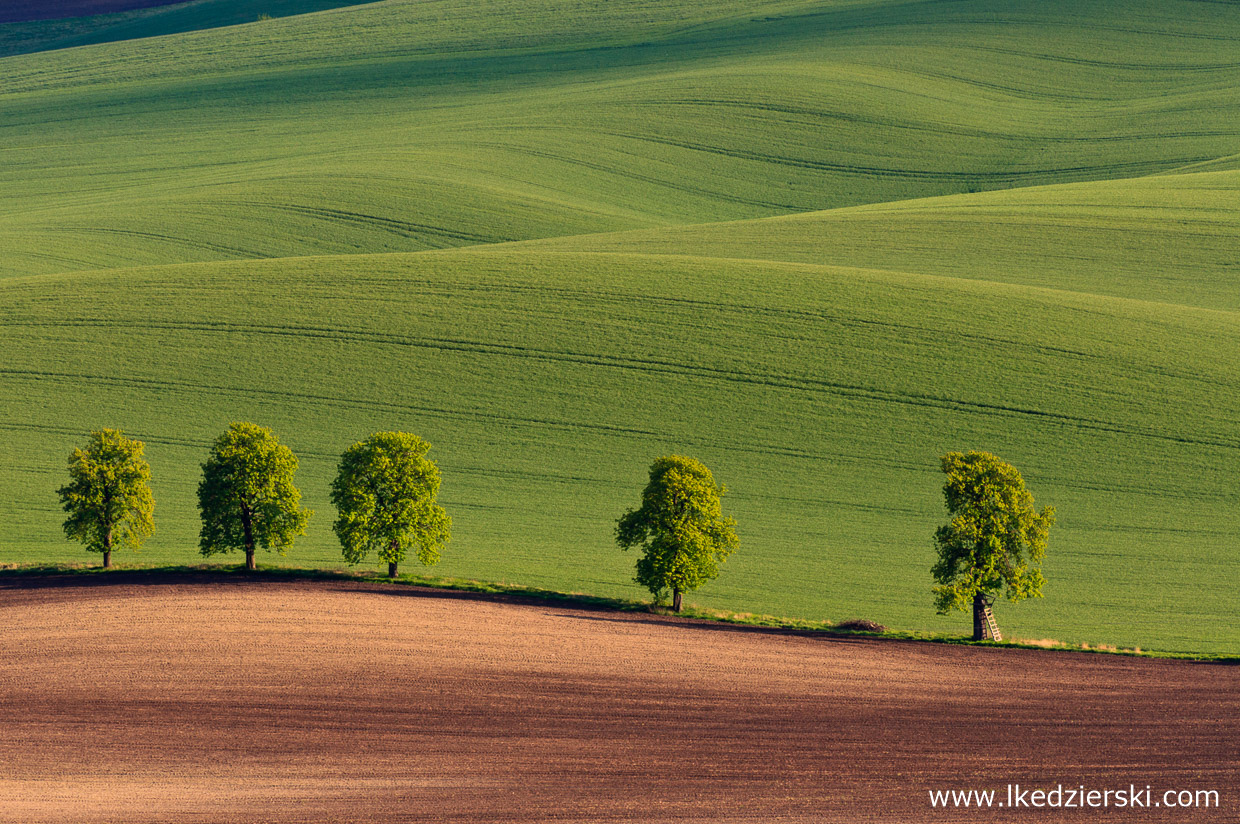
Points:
(147, 698)
(12, 11)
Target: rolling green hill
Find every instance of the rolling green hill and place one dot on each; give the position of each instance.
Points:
(402, 126)
(815, 244)
(1170, 238)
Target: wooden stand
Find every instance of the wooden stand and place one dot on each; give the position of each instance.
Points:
(985, 628)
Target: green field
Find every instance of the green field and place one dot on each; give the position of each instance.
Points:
(815, 244)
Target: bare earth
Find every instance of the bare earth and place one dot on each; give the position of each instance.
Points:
(12, 11)
(144, 698)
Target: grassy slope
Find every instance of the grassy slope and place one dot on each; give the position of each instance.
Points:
(548, 376)
(402, 126)
(547, 381)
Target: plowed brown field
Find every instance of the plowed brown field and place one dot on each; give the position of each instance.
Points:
(149, 698)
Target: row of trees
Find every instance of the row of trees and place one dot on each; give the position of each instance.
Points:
(994, 543)
(385, 494)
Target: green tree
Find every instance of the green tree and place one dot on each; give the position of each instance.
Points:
(996, 538)
(247, 498)
(108, 497)
(679, 527)
(385, 493)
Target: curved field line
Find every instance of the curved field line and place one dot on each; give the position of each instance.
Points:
(680, 369)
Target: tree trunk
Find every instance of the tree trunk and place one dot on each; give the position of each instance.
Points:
(979, 605)
(675, 600)
(248, 526)
(394, 552)
(107, 549)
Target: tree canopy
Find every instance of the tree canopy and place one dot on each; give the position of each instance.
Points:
(108, 497)
(995, 540)
(247, 497)
(385, 493)
(680, 529)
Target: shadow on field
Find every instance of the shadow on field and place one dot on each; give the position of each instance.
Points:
(605, 609)
(723, 626)
(95, 578)
(57, 582)
(16, 11)
(618, 612)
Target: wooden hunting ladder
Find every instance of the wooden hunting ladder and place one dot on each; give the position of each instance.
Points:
(989, 626)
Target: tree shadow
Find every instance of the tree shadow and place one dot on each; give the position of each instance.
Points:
(609, 610)
(691, 622)
(37, 578)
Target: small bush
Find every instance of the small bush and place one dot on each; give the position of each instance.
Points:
(858, 625)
